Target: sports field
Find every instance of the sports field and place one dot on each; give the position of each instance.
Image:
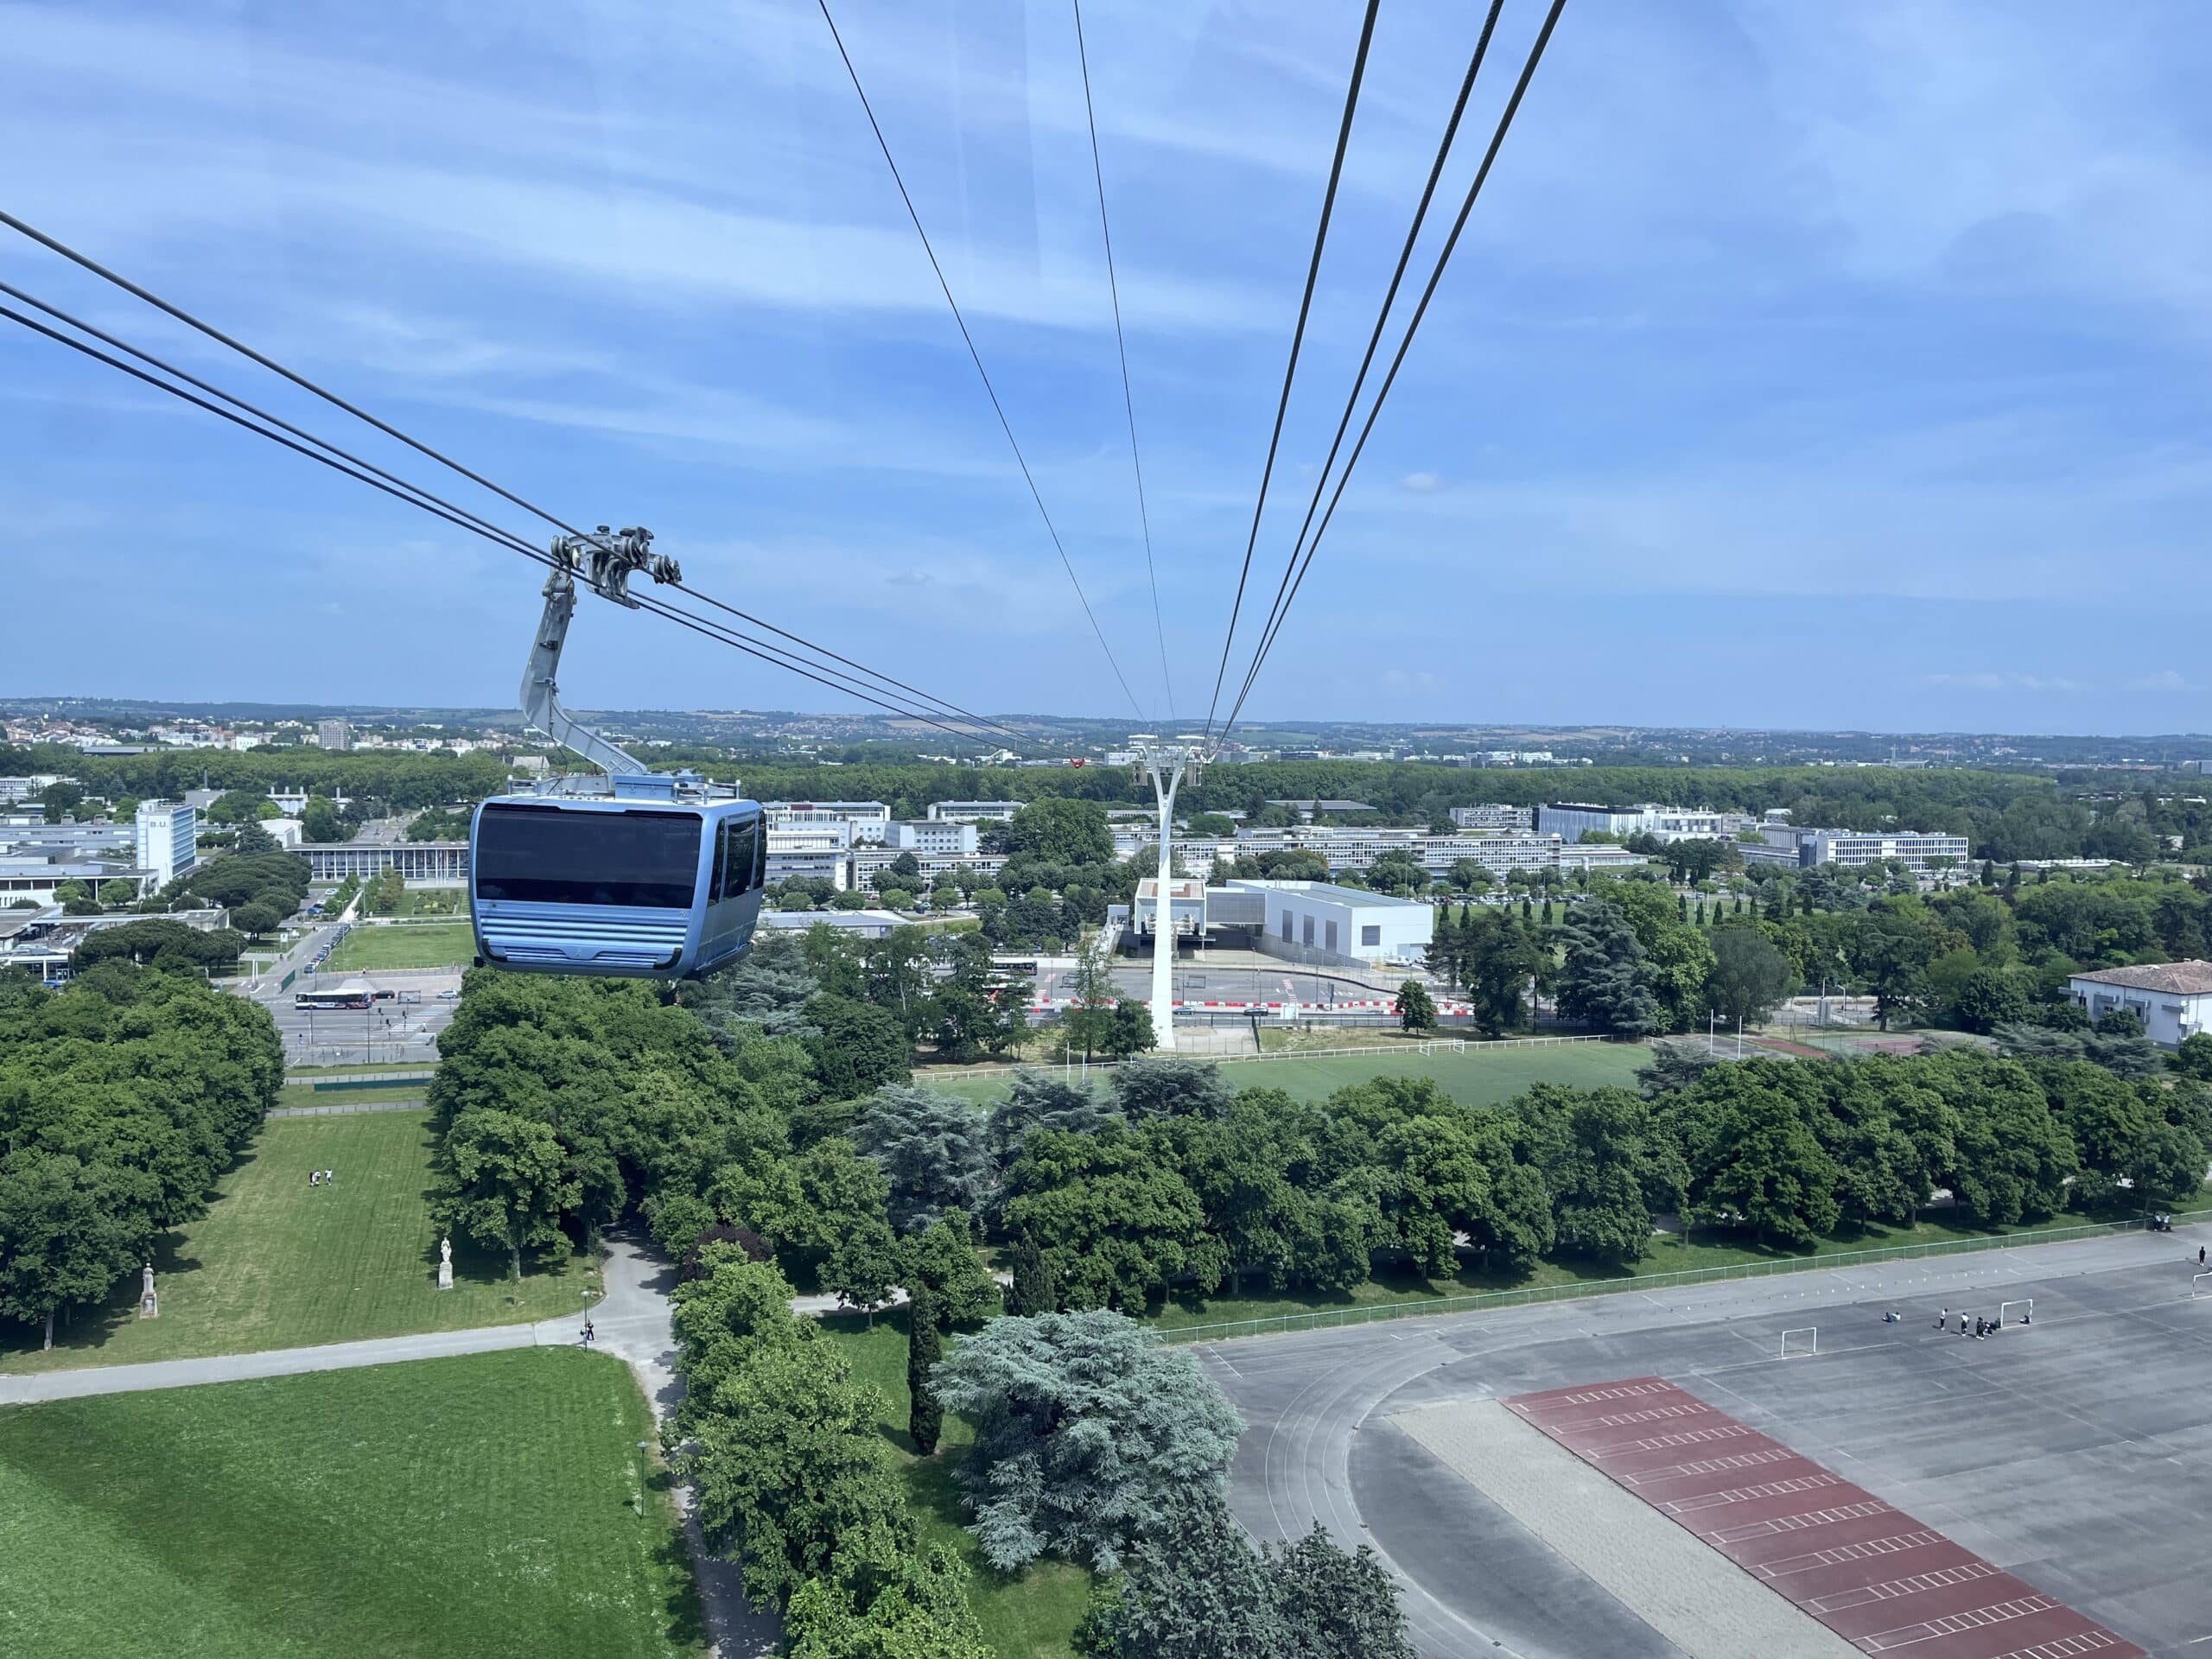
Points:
(2065, 1452)
(409, 944)
(1478, 1076)
(275, 1264)
(491, 1505)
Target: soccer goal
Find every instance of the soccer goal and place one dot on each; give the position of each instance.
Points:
(2200, 1286)
(2019, 1313)
(1800, 1342)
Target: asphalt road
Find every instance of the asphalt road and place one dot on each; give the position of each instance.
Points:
(2076, 1453)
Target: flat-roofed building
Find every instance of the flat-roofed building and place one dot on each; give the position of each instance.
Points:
(974, 811)
(869, 819)
(930, 835)
(1318, 921)
(1494, 818)
(416, 860)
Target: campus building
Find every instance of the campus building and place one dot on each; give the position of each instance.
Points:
(2173, 998)
(1571, 820)
(974, 811)
(1522, 818)
(930, 835)
(439, 861)
(869, 820)
(166, 840)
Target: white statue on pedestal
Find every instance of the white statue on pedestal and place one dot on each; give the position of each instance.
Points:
(150, 1305)
(445, 1264)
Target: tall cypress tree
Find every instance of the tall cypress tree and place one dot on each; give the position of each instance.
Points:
(924, 1347)
(1031, 1289)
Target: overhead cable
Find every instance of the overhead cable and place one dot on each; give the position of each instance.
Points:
(1428, 293)
(1122, 345)
(976, 357)
(1382, 315)
(338, 460)
(1297, 340)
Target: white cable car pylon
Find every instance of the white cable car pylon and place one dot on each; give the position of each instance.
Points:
(1167, 763)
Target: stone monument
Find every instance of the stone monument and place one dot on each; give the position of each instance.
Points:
(445, 1264)
(150, 1305)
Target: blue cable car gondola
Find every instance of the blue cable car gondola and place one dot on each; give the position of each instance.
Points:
(621, 886)
(656, 878)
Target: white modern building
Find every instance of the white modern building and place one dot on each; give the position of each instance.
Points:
(1851, 849)
(869, 820)
(1358, 849)
(433, 863)
(1187, 905)
(2173, 998)
(1571, 820)
(974, 811)
(930, 835)
(867, 861)
(1522, 818)
(861, 924)
(813, 852)
(167, 841)
(1319, 920)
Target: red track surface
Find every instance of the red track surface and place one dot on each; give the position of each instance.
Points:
(1871, 1574)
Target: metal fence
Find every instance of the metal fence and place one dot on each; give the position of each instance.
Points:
(1434, 1045)
(1485, 1301)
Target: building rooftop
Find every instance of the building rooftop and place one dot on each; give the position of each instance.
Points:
(2174, 978)
(1326, 890)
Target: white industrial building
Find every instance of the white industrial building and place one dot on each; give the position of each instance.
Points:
(2173, 998)
(167, 841)
(1320, 921)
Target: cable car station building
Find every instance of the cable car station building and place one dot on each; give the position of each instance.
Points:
(1315, 922)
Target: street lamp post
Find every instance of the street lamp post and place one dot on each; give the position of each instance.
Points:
(1166, 764)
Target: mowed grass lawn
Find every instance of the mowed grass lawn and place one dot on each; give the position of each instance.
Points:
(277, 1264)
(1032, 1615)
(1480, 1078)
(491, 1505)
(405, 944)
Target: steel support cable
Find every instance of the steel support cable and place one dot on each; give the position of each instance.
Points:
(272, 365)
(1297, 341)
(1121, 346)
(1382, 317)
(976, 357)
(399, 489)
(1428, 293)
(450, 508)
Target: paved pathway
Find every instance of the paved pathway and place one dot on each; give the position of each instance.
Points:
(632, 1321)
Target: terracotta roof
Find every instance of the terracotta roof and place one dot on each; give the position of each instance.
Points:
(2175, 978)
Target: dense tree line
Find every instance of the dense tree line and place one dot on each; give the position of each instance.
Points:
(122, 1097)
(394, 781)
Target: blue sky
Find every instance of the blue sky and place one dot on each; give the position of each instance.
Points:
(1803, 365)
